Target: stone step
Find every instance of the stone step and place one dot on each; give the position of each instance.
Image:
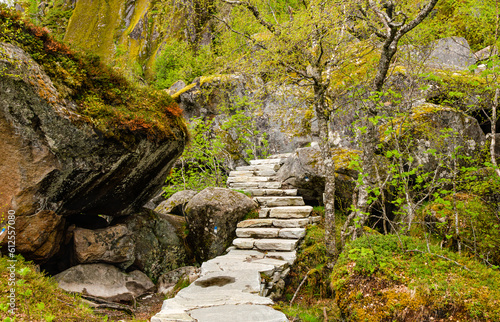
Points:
(255, 185)
(258, 173)
(290, 257)
(269, 232)
(273, 222)
(265, 161)
(244, 243)
(259, 167)
(250, 179)
(280, 155)
(286, 212)
(252, 223)
(272, 192)
(292, 233)
(258, 232)
(279, 201)
(290, 223)
(276, 244)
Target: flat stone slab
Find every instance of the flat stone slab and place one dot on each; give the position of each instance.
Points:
(257, 232)
(250, 173)
(244, 243)
(245, 253)
(260, 167)
(290, 212)
(277, 263)
(265, 161)
(249, 179)
(276, 244)
(292, 233)
(290, 257)
(255, 185)
(272, 192)
(280, 201)
(255, 223)
(238, 313)
(280, 155)
(291, 223)
(241, 173)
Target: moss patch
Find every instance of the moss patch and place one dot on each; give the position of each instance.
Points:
(379, 279)
(104, 99)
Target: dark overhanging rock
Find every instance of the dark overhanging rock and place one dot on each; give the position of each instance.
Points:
(61, 165)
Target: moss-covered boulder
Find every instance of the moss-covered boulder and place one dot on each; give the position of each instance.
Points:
(212, 216)
(78, 139)
(159, 247)
(302, 170)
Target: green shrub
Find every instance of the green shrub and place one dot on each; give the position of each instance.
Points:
(178, 61)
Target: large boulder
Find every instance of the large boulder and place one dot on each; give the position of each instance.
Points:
(212, 216)
(431, 133)
(39, 235)
(451, 52)
(176, 203)
(159, 248)
(112, 245)
(302, 171)
(57, 162)
(105, 281)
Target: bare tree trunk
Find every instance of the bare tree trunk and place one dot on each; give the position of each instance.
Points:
(328, 168)
(394, 30)
(493, 132)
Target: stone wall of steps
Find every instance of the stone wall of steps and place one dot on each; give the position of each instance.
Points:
(283, 217)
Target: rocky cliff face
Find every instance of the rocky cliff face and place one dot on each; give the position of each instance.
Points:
(130, 34)
(57, 170)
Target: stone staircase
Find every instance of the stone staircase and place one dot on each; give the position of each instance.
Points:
(282, 216)
(239, 286)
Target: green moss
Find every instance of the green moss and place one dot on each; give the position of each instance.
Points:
(92, 26)
(185, 89)
(379, 278)
(105, 99)
(38, 298)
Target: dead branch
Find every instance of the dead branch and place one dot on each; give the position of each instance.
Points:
(300, 285)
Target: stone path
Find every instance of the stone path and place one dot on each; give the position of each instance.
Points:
(239, 286)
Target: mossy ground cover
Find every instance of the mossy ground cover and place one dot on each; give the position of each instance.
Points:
(37, 297)
(104, 98)
(382, 278)
(385, 278)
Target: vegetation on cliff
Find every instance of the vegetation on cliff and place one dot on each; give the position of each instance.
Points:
(104, 99)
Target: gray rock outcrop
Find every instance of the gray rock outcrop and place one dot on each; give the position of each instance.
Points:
(105, 281)
(302, 171)
(212, 216)
(452, 52)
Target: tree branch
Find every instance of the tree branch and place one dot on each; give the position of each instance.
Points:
(255, 12)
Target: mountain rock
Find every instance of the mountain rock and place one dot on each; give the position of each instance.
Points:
(109, 245)
(212, 216)
(176, 203)
(58, 165)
